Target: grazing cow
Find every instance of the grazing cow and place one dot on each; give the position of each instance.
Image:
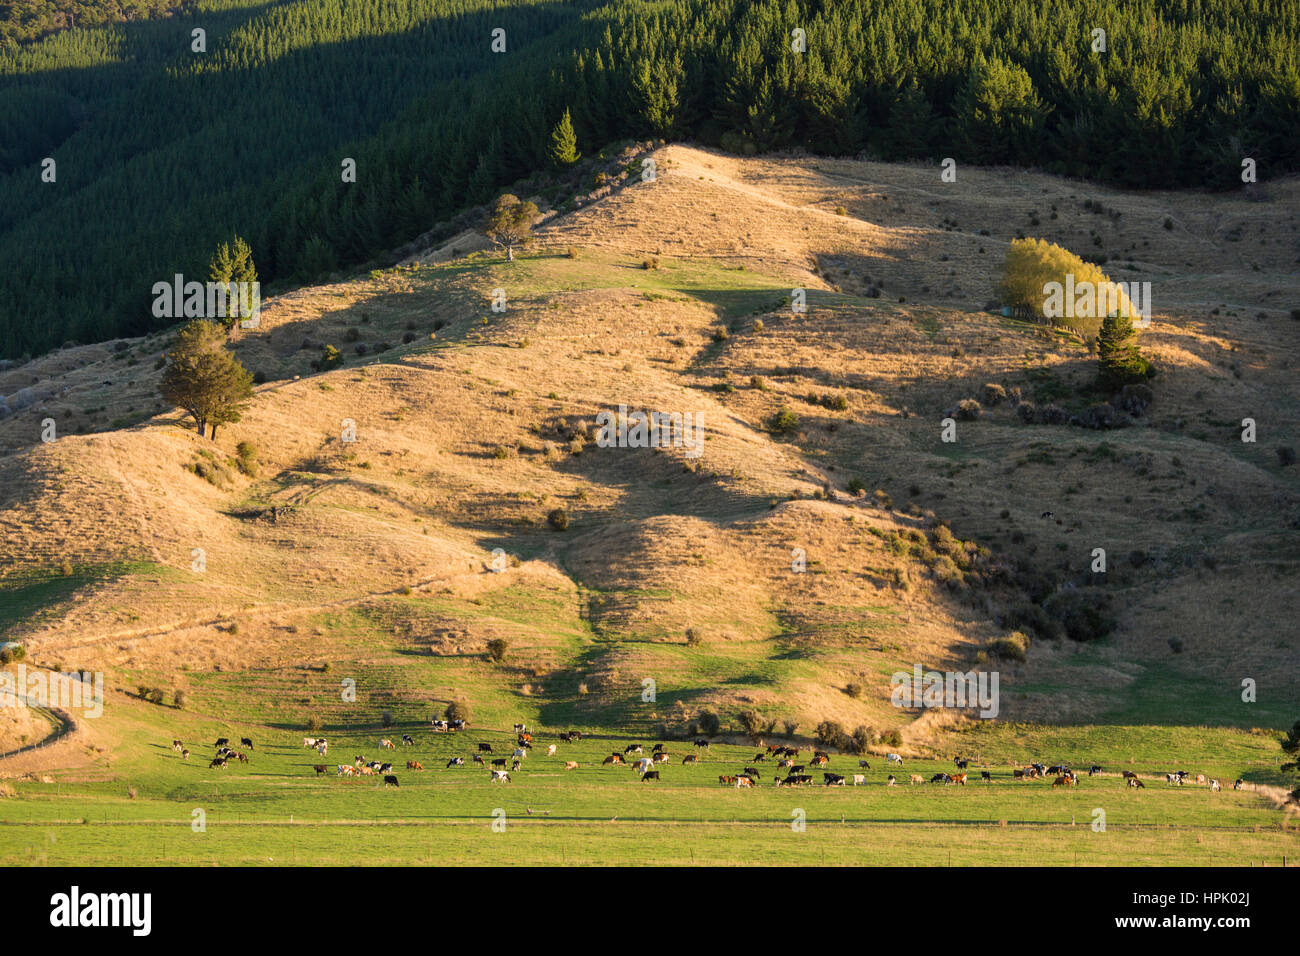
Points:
(246, 742)
(460, 761)
(218, 762)
(744, 782)
(1094, 770)
(785, 762)
(986, 777)
(1214, 786)
(384, 768)
(751, 772)
(221, 742)
(820, 760)
(690, 758)
(798, 768)
(320, 768)
(550, 751)
(859, 779)
(702, 743)
(516, 764)
(485, 748)
(959, 779)
(1173, 778)
(611, 759)
(390, 780)
(310, 742)
(499, 762)
(650, 775)
(570, 765)
(520, 728)
(1128, 774)
(439, 725)
(408, 740)
(891, 781)
(727, 780)
(917, 778)
(864, 765)
(833, 779)
(177, 746)
(642, 765)
(524, 740)
(633, 749)
(657, 748)
(413, 765)
(760, 756)
(1135, 783)
(185, 754)
(500, 776)
(241, 757)
(366, 771)
(346, 770)
(960, 762)
(386, 744)
(1200, 779)
(1062, 782)
(894, 758)
(1238, 784)
(520, 753)
(459, 724)
(660, 757)
(941, 778)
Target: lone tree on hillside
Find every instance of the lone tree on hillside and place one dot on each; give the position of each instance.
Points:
(510, 223)
(234, 265)
(1119, 362)
(203, 378)
(564, 142)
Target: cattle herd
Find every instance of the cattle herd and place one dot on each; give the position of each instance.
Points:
(785, 758)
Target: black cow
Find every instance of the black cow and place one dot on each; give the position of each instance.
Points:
(390, 781)
(650, 775)
(941, 778)
(456, 762)
(633, 749)
(658, 748)
(961, 764)
(499, 762)
(1094, 770)
(833, 779)
(485, 748)
(751, 772)
(221, 742)
(984, 775)
(408, 740)
(702, 743)
(246, 742)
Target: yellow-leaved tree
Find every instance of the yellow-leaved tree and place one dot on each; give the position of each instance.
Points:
(1044, 281)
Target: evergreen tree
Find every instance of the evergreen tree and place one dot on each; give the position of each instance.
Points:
(1119, 362)
(203, 378)
(564, 142)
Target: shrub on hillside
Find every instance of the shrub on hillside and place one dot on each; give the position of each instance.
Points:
(497, 648)
(784, 421)
(1119, 363)
(1083, 613)
(1028, 616)
(994, 395)
(457, 710)
(967, 410)
(1013, 646)
(710, 723)
(558, 519)
(1135, 399)
(1026, 412)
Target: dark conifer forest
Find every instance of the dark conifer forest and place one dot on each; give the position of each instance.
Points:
(162, 151)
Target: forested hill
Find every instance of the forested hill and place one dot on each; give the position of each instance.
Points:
(24, 20)
(163, 152)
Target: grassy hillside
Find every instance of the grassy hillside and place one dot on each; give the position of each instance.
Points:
(370, 564)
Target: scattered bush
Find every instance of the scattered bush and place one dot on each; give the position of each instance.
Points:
(855, 689)
(1135, 399)
(1014, 646)
(497, 648)
(558, 519)
(710, 723)
(693, 637)
(994, 395)
(967, 410)
(784, 421)
(1026, 412)
(457, 710)
(386, 718)
(1084, 613)
(246, 458)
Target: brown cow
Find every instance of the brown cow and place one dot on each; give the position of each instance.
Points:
(320, 768)
(727, 780)
(413, 765)
(570, 765)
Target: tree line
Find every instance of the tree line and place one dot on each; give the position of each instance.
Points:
(162, 152)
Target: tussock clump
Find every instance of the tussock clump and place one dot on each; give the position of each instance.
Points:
(1013, 646)
(1136, 399)
(994, 395)
(1026, 412)
(558, 519)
